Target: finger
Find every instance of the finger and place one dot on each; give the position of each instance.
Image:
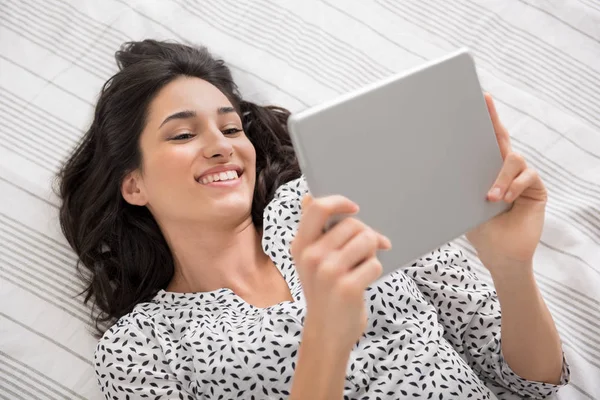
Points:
(345, 230)
(356, 251)
(513, 165)
(333, 240)
(529, 178)
(502, 135)
(365, 273)
(359, 248)
(315, 214)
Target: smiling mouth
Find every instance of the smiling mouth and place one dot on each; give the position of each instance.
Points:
(225, 176)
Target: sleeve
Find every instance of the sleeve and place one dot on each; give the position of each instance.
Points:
(130, 366)
(469, 312)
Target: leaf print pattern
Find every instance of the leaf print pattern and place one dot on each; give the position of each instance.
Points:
(433, 333)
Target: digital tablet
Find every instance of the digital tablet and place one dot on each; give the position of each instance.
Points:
(416, 151)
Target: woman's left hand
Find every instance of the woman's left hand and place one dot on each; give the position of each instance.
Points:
(509, 240)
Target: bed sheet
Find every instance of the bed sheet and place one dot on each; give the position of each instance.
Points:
(540, 60)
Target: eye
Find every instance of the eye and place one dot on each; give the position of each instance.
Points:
(231, 131)
(182, 136)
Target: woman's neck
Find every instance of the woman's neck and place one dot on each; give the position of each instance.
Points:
(207, 260)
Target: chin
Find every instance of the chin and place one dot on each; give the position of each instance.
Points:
(232, 210)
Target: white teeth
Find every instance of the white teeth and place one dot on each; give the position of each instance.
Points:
(221, 176)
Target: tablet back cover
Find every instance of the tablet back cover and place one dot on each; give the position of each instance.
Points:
(416, 151)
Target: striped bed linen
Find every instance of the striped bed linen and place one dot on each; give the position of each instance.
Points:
(540, 59)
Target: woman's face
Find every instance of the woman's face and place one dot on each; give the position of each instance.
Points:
(197, 163)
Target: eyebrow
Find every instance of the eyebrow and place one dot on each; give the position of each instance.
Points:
(225, 110)
(191, 114)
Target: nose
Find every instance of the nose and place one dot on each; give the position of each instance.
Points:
(216, 144)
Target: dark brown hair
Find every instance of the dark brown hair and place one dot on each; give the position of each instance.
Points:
(125, 257)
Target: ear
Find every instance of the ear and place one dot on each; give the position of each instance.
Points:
(132, 189)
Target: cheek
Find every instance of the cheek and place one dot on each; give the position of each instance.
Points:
(168, 169)
(249, 153)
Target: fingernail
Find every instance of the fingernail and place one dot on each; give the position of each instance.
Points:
(495, 192)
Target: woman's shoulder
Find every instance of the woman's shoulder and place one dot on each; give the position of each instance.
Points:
(164, 311)
(131, 354)
(288, 195)
(138, 324)
(286, 202)
(294, 189)
(281, 217)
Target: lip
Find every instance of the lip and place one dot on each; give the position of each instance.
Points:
(221, 168)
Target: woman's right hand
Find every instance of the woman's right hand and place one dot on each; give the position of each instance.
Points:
(335, 268)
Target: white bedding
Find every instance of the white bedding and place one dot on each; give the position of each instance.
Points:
(540, 59)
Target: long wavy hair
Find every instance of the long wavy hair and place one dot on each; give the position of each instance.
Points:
(123, 256)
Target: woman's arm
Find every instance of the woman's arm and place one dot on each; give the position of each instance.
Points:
(506, 246)
(335, 268)
(470, 312)
(321, 367)
(530, 342)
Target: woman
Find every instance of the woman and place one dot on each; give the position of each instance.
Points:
(187, 208)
